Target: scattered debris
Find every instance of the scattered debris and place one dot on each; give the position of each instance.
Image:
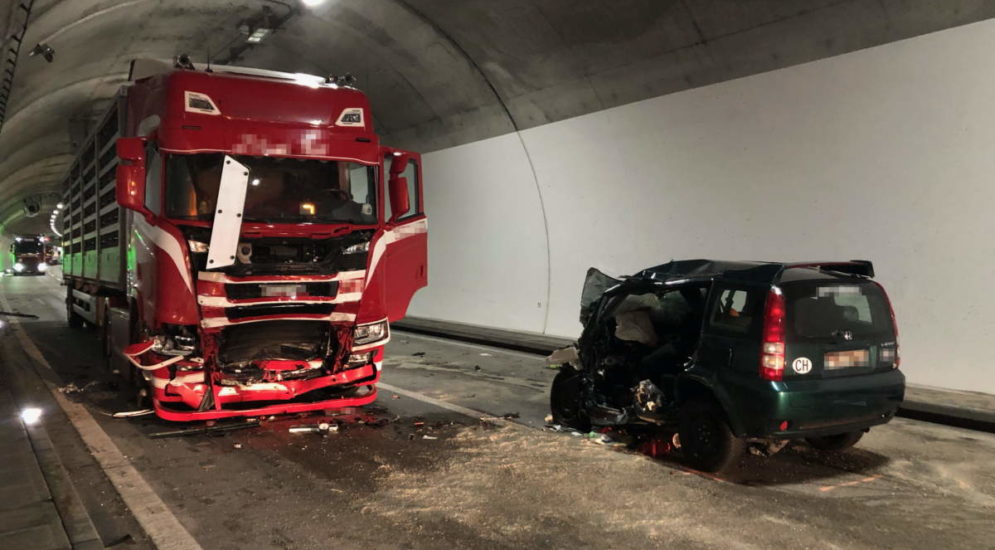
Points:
(418, 354)
(548, 419)
(510, 416)
(655, 447)
(320, 428)
(133, 414)
(418, 424)
(237, 445)
(476, 367)
(486, 355)
(429, 437)
(395, 396)
(16, 314)
(562, 356)
(71, 388)
(210, 428)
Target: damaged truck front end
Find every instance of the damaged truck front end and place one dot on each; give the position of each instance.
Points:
(262, 279)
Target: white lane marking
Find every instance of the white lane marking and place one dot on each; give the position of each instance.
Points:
(159, 523)
(477, 415)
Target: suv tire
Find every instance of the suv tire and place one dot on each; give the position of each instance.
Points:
(565, 400)
(838, 442)
(707, 442)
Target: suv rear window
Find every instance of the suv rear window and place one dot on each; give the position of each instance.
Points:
(827, 311)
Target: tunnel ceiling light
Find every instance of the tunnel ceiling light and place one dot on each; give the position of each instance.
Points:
(313, 3)
(60, 206)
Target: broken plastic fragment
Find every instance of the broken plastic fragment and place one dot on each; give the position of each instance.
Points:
(562, 356)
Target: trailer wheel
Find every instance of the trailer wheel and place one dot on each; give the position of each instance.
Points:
(72, 318)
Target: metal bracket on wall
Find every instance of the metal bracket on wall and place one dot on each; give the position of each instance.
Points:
(11, 49)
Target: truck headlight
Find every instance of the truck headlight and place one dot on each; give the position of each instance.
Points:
(179, 340)
(42, 267)
(18, 267)
(369, 333)
(357, 248)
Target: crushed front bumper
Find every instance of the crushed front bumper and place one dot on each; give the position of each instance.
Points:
(185, 395)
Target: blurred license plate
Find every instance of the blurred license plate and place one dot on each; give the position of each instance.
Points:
(849, 358)
(283, 290)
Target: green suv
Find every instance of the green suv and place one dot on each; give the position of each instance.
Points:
(734, 354)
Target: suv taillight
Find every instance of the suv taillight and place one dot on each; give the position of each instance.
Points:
(894, 325)
(772, 344)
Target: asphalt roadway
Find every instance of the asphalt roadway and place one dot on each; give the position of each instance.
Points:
(454, 455)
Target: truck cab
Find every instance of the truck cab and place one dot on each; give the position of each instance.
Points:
(270, 239)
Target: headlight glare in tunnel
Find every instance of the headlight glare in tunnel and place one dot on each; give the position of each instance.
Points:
(30, 415)
(18, 267)
(43, 267)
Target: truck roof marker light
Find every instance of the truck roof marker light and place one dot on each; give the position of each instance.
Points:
(196, 102)
(772, 350)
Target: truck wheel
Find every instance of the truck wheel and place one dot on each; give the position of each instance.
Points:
(836, 442)
(566, 400)
(707, 442)
(73, 318)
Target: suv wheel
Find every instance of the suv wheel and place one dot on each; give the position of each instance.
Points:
(707, 442)
(565, 400)
(836, 442)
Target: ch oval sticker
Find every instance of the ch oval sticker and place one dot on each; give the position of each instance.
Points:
(802, 365)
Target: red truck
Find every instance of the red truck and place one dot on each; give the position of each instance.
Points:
(243, 240)
(28, 255)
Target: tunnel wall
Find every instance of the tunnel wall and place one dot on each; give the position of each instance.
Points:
(884, 153)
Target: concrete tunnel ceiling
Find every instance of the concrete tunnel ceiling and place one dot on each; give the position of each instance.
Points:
(439, 73)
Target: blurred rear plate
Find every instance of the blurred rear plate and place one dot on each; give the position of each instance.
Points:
(848, 358)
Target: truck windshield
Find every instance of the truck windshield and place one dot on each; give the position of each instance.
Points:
(27, 247)
(281, 190)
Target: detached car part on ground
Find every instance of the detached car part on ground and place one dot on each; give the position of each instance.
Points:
(734, 354)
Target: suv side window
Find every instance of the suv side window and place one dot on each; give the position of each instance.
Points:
(735, 311)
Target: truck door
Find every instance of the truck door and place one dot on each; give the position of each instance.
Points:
(406, 231)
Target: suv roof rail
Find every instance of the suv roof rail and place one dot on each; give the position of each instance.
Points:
(860, 268)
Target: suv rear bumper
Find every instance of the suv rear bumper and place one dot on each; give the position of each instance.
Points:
(815, 407)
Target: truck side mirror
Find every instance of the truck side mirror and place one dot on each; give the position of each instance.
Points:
(398, 164)
(130, 188)
(398, 196)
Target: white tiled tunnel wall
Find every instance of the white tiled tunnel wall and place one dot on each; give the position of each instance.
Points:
(886, 153)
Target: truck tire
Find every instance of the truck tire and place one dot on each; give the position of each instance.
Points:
(707, 442)
(838, 442)
(72, 318)
(566, 400)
